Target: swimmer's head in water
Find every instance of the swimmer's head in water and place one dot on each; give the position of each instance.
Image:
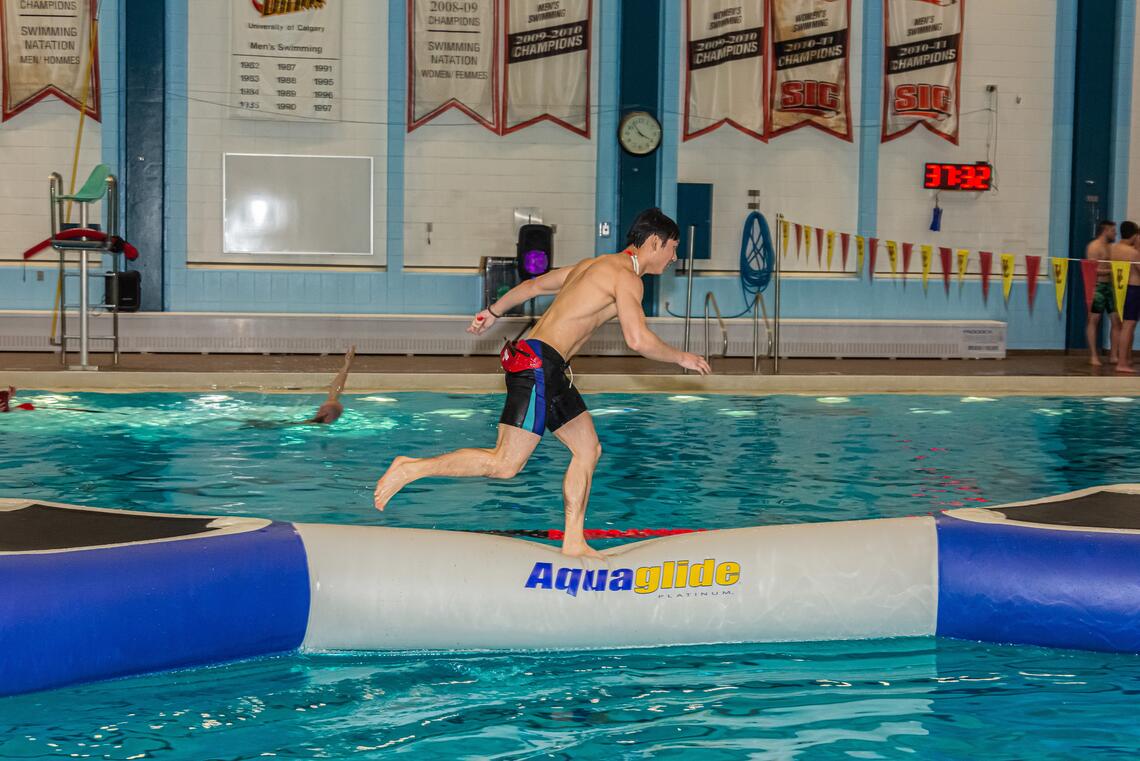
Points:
(6, 396)
(329, 412)
(653, 238)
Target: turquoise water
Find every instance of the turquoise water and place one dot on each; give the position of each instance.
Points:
(668, 462)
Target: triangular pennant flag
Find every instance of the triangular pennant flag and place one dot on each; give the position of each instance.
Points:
(1060, 280)
(844, 241)
(1032, 267)
(1088, 278)
(819, 246)
(927, 258)
(784, 232)
(1120, 284)
(872, 252)
(908, 249)
(859, 250)
(893, 255)
(830, 247)
(987, 258)
(799, 238)
(807, 241)
(963, 263)
(1008, 265)
(944, 255)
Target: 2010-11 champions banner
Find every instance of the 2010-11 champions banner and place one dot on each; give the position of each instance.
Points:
(725, 81)
(547, 74)
(923, 66)
(453, 56)
(48, 51)
(810, 55)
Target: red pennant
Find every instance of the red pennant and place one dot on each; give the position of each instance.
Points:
(844, 240)
(872, 249)
(1088, 274)
(944, 255)
(1032, 266)
(987, 259)
(799, 238)
(908, 249)
(819, 246)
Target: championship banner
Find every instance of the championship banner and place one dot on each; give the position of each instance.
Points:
(923, 66)
(724, 66)
(48, 50)
(547, 74)
(810, 55)
(453, 56)
(1060, 279)
(285, 58)
(1008, 264)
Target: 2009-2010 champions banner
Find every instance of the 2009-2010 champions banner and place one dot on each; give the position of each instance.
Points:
(48, 50)
(725, 81)
(810, 55)
(453, 54)
(547, 74)
(923, 66)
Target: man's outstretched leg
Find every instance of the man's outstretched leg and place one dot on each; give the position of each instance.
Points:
(581, 439)
(510, 454)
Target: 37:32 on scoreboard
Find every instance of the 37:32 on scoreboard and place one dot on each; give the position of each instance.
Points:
(942, 176)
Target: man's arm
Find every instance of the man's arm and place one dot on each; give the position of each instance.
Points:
(543, 285)
(627, 294)
(337, 386)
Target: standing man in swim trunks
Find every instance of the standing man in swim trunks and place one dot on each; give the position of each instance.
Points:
(540, 392)
(1127, 251)
(1103, 299)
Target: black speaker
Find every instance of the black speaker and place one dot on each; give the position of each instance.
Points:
(130, 290)
(535, 251)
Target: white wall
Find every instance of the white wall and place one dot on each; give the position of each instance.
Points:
(213, 130)
(1134, 144)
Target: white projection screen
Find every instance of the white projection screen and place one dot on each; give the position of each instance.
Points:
(315, 208)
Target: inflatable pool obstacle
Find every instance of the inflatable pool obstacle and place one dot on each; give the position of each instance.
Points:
(91, 593)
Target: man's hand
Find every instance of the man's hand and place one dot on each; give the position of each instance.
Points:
(481, 323)
(693, 362)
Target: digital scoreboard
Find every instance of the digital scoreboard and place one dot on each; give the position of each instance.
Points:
(975, 177)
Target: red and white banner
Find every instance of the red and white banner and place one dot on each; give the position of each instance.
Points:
(810, 55)
(453, 58)
(724, 66)
(923, 66)
(47, 51)
(547, 76)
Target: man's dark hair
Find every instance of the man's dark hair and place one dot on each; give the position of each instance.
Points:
(1101, 225)
(1127, 229)
(652, 222)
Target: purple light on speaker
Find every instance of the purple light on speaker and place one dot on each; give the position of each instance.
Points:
(535, 262)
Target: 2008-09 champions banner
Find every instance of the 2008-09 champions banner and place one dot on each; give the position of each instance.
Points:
(810, 55)
(453, 52)
(548, 64)
(47, 50)
(725, 81)
(923, 66)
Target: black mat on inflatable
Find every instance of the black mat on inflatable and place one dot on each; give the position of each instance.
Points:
(1102, 509)
(46, 527)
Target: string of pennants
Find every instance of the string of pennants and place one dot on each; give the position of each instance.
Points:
(900, 255)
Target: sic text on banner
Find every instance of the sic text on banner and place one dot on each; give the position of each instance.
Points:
(923, 66)
(810, 67)
(547, 74)
(285, 59)
(724, 66)
(453, 61)
(46, 55)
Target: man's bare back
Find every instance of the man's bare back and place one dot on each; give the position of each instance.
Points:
(1125, 252)
(1099, 251)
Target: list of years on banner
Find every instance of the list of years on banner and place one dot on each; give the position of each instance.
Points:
(287, 79)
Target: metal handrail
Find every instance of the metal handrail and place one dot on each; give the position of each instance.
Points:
(758, 306)
(711, 299)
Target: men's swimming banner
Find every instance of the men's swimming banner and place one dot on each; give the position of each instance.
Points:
(547, 73)
(47, 51)
(810, 55)
(453, 55)
(923, 66)
(725, 81)
(285, 59)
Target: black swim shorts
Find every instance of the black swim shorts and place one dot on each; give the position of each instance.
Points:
(542, 399)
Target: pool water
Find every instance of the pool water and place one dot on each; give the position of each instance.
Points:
(668, 462)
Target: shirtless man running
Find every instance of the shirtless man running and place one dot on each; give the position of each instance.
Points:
(1103, 302)
(1127, 251)
(540, 394)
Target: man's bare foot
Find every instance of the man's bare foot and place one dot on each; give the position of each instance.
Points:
(391, 482)
(1126, 369)
(1094, 361)
(1112, 360)
(581, 550)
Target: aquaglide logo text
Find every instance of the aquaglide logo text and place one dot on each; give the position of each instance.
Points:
(645, 580)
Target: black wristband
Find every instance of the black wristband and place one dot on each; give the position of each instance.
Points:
(496, 316)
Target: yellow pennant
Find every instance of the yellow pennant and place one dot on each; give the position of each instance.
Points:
(860, 249)
(807, 240)
(893, 256)
(1060, 280)
(927, 259)
(785, 228)
(1007, 267)
(1120, 284)
(830, 247)
(963, 263)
